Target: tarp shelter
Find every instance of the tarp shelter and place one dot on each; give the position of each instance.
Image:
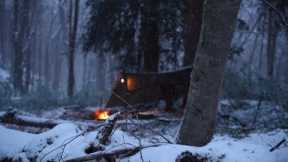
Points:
(141, 88)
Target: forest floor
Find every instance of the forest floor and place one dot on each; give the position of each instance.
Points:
(246, 132)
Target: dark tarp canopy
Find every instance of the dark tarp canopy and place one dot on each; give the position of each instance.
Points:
(141, 88)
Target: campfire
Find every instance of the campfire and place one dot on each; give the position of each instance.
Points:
(101, 114)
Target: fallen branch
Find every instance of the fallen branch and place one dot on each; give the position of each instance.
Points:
(277, 145)
(111, 155)
(104, 133)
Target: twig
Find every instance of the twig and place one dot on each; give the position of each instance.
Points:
(63, 145)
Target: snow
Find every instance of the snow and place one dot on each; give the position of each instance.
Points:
(66, 141)
(12, 141)
(251, 149)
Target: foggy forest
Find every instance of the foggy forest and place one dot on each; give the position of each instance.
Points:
(144, 80)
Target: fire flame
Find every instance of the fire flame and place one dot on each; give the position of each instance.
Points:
(102, 114)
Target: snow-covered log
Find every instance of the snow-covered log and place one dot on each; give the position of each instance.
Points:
(108, 155)
(11, 117)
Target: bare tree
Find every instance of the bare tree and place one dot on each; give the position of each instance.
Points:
(2, 12)
(73, 25)
(219, 19)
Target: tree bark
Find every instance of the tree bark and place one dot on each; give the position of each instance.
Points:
(149, 35)
(73, 20)
(192, 29)
(208, 72)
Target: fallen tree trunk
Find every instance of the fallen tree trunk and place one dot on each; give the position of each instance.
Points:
(11, 117)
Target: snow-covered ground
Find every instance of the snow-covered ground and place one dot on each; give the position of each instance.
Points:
(252, 142)
(67, 141)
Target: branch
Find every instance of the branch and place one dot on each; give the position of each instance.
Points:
(113, 154)
(105, 132)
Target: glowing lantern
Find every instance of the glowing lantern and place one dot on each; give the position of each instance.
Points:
(101, 114)
(122, 80)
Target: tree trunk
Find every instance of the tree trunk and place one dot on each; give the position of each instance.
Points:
(73, 20)
(192, 29)
(28, 17)
(271, 44)
(22, 37)
(17, 64)
(149, 35)
(208, 72)
(2, 39)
